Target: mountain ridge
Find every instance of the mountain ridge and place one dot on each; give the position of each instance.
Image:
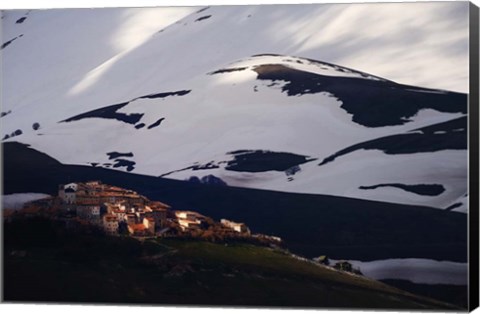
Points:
(179, 104)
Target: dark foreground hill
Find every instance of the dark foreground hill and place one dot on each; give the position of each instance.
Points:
(310, 225)
(46, 263)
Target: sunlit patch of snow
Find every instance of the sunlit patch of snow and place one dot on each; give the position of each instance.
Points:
(93, 76)
(140, 23)
(300, 64)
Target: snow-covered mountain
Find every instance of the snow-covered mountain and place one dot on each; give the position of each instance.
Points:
(216, 94)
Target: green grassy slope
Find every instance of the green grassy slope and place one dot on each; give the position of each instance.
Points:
(43, 263)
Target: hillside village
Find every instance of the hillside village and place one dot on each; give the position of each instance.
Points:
(123, 212)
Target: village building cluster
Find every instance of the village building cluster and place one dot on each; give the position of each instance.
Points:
(112, 208)
(121, 211)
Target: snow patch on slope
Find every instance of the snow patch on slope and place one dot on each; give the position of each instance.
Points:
(416, 270)
(18, 200)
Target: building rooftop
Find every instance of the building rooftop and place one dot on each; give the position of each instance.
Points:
(158, 205)
(232, 223)
(189, 221)
(158, 209)
(188, 212)
(138, 227)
